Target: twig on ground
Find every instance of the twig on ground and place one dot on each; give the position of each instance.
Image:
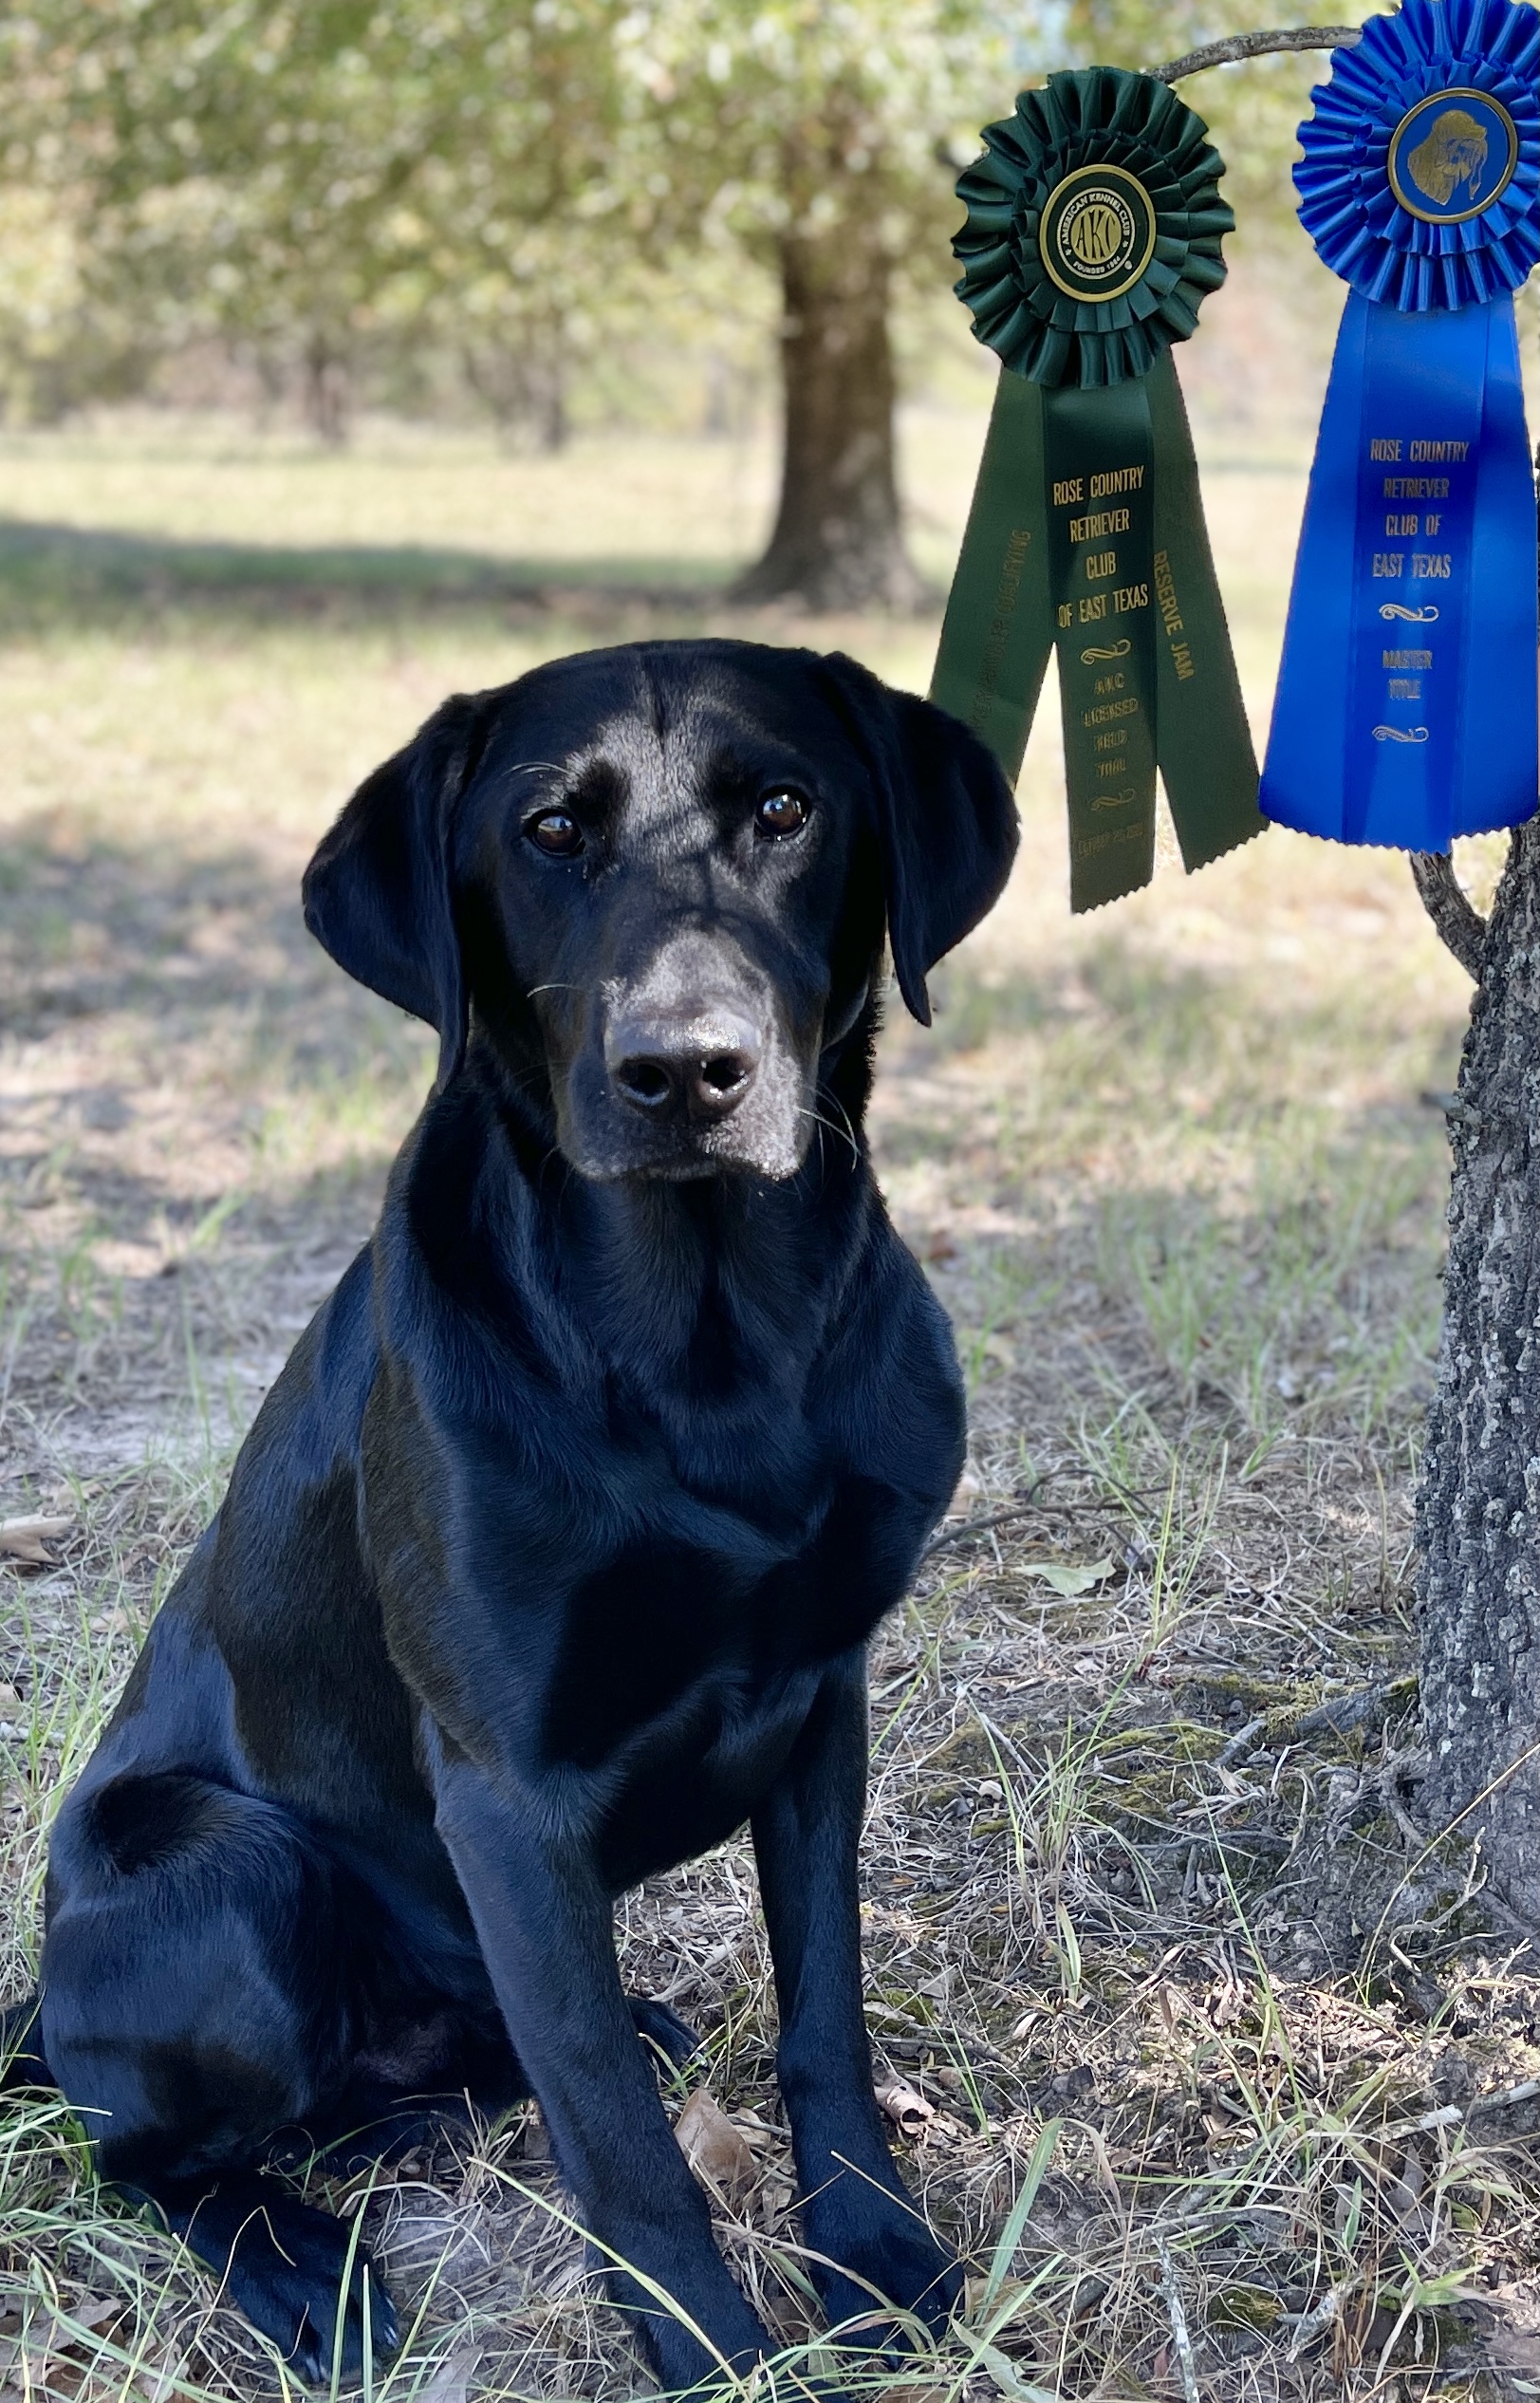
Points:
(1241, 1741)
(1338, 1717)
(1308, 2325)
(1181, 2334)
(969, 1527)
(1456, 2115)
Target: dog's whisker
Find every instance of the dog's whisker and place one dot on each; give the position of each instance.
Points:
(843, 1133)
(846, 1115)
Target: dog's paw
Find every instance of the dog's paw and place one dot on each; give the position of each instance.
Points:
(664, 2030)
(286, 2273)
(882, 2253)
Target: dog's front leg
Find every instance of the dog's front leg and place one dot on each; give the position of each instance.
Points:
(857, 2211)
(544, 1922)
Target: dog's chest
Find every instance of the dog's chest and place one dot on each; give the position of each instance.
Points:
(697, 1644)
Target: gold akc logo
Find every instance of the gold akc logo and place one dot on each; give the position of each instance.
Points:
(1096, 235)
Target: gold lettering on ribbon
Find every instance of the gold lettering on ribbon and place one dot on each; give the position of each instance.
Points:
(1099, 524)
(1005, 594)
(1091, 845)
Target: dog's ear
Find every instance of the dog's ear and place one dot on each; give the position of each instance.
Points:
(377, 893)
(946, 820)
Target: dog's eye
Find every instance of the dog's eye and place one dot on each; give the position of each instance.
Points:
(556, 833)
(780, 814)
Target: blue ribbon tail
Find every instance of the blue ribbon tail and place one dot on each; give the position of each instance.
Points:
(1405, 711)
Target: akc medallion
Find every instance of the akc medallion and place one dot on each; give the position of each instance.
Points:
(1097, 234)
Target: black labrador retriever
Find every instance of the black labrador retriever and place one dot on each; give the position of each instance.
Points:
(552, 1554)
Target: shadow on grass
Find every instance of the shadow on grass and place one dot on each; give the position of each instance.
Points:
(66, 575)
(134, 978)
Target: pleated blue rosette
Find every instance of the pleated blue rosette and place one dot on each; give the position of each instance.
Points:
(1406, 706)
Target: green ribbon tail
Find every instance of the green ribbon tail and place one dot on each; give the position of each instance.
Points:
(998, 629)
(1100, 455)
(1207, 762)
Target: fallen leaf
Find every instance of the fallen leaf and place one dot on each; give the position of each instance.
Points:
(717, 2151)
(909, 2111)
(28, 1539)
(450, 2381)
(970, 1487)
(1063, 1578)
(53, 2337)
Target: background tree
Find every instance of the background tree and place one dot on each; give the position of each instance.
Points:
(824, 144)
(317, 181)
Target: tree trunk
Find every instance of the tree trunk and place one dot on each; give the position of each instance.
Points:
(1478, 1494)
(327, 392)
(839, 541)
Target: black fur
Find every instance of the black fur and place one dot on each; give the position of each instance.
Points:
(552, 1554)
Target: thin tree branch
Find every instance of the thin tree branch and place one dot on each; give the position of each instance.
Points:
(1257, 45)
(1460, 926)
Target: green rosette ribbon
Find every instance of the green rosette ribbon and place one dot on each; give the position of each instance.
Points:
(1093, 231)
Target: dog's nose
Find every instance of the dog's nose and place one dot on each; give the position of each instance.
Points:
(695, 1067)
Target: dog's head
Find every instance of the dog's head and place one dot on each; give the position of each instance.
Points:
(662, 874)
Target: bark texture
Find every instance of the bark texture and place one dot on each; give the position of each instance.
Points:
(838, 542)
(1478, 1497)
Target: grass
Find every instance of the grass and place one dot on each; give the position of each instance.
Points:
(1201, 2054)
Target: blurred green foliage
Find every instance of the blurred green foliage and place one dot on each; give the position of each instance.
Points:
(450, 198)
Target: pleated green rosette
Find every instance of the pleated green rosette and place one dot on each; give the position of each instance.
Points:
(1093, 231)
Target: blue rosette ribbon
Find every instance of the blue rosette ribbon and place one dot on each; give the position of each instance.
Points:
(1406, 704)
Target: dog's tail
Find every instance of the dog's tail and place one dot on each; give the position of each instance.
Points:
(21, 2061)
